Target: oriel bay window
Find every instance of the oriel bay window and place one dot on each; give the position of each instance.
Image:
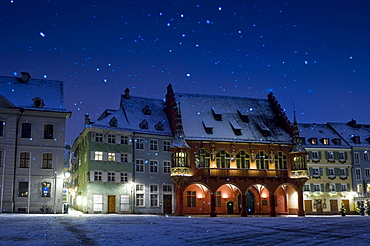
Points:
(242, 159)
(223, 159)
(180, 159)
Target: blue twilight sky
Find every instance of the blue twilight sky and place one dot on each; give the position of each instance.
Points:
(312, 53)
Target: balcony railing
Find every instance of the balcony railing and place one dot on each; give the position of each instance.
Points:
(245, 173)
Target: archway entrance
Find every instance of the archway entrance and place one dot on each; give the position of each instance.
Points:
(196, 199)
(227, 199)
(286, 200)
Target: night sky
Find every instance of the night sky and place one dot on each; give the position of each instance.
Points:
(312, 53)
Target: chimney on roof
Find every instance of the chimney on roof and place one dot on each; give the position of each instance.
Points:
(25, 76)
(352, 123)
(127, 93)
(87, 120)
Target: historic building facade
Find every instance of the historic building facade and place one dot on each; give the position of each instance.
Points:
(358, 137)
(329, 167)
(32, 137)
(234, 155)
(121, 162)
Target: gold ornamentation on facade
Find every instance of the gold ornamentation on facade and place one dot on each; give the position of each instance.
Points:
(180, 171)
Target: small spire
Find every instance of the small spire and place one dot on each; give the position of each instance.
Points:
(179, 140)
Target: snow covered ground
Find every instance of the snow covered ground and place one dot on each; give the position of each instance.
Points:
(113, 229)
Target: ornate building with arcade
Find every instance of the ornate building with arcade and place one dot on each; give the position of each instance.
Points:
(234, 155)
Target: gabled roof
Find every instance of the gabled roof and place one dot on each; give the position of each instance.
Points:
(201, 123)
(22, 94)
(310, 131)
(356, 135)
(131, 117)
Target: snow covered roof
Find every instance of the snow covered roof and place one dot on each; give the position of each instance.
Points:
(35, 94)
(356, 135)
(209, 117)
(320, 135)
(137, 114)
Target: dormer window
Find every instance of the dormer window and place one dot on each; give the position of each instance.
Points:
(337, 141)
(207, 127)
(356, 139)
(38, 102)
(264, 129)
(303, 140)
(217, 114)
(159, 126)
(147, 110)
(243, 114)
(143, 124)
(236, 127)
(113, 122)
(325, 141)
(313, 141)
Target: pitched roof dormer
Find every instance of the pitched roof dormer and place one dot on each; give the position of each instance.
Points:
(236, 127)
(159, 126)
(143, 124)
(217, 114)
(243, 114)
(264, 129)
(207, 127)
(38, 102)
(147, 110)
(113, 122)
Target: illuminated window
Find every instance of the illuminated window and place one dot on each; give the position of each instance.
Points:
(262, 161)
(280, 160)
(223, 159)
(180, 159)
(23, 189)
(242, 159)
(111, 156)
(98, 155)
(46, 189)
(97, 203)
(191, 199)
(313, 141)
(202, 158)
(325, 141)
(47, 161)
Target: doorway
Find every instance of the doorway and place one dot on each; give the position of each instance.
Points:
(334, 205)
(230, 208)
(111, 204)
(319, 209)
(167, 204)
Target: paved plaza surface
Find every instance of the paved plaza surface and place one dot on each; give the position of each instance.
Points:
(113, 229)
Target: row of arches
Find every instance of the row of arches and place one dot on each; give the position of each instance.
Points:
(257, 199)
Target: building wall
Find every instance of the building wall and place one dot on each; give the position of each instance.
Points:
(323, 192)
(36, 145)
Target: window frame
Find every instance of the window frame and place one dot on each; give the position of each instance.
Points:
(139, 165)
(47, 161)
(139, 144)
(48, 131)
(26, 132)
(166, 145)
(153, 145)
(153, 166)
(24, 159)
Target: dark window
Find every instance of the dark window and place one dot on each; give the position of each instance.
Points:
(46, 189)
(262, 160)
(25, 160)
(191, 199)
(47, 161)
(2, 124)
(23, 189)
(48, 131)
(26, 130)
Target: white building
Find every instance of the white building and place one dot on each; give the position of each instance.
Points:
(32, 138)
